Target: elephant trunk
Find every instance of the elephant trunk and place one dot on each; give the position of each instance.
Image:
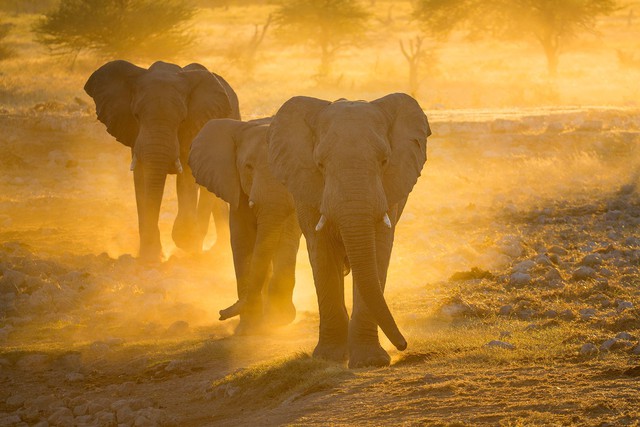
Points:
(154, 173)
(359, 238)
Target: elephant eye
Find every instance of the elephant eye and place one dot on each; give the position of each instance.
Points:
(249, 166)
(321, 166)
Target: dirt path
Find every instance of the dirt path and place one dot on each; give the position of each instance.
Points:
(514, 277)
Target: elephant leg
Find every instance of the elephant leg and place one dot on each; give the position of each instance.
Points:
(364, 344)
(280, 309)
(150, 245)
(243, 232)
(203, 213)
(220, 211)
(326, 255)
(185, 228)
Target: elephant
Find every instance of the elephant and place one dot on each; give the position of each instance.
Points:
(229, 158)
(157, 112)
(350, 166)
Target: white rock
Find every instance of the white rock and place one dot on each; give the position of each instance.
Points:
(587, 313)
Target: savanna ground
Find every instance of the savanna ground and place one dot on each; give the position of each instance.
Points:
(514, 276)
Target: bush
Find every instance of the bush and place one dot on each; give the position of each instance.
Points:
(134, 29)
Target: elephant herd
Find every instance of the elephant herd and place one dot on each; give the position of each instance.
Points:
(338, 172)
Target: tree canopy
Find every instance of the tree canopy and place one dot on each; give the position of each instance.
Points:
(550, 22)
(329, 25)
(117, 28)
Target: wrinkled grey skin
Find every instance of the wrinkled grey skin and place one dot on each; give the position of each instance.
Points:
(351, 163)
(157, 112)
(229, 158)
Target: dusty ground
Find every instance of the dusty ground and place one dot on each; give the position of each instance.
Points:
(515, 278)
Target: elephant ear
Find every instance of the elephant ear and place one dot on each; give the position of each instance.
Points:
(111, 87)
(408, 132)
(207, 99)
(213, 159)
(291, 145)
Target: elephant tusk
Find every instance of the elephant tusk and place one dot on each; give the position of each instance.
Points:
(251, 204)
(386, 220)
(134, 160)
(179, 166)
(320, 225)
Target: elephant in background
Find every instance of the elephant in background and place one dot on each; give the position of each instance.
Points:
(157, 112)
(229, 158)
(350, 167)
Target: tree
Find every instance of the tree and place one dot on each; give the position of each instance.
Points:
(245, 54)
(550, 22)
(330, 25)
(117, 28)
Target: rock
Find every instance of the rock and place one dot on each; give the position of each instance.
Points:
(15, 401)
(125, 415)
(44, 403)
(505, 310)
(511, 247)
(500, 344)
(526, 314)
(591, 126)
(178, 327)
(524, 266)
(550, 314)
(584, 273)
(61, 417)
(557, 250)
(588, 349)
(9, 420)
(105, 418)
(624, 305)
(99, 348)
(567, 315)
(632, 242)
(625, 336)
(608, 344)
(520, 279)
(636, 349)
(543, 260)
(591, 260)
(505, 334)
(555, 127)
(33, 362)
(587, 313)
(73, 377)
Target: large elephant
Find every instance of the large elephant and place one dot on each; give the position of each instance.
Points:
(229, 158)
(157, 112)
(350, 167)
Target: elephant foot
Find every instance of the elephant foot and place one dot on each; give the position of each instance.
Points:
(280, 313)
(368, 355)
(248, 326)
(332, 352)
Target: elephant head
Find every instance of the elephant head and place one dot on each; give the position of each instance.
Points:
(229, 158)
(157, 112)
(351, 163)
